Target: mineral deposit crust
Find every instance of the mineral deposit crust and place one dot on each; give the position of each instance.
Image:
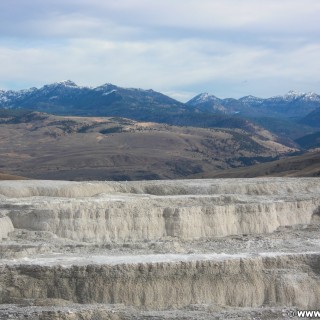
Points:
(39, 216)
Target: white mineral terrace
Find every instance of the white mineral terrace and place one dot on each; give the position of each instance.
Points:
(160, 245)
(136, 211)
(256, 186)
(68, 261)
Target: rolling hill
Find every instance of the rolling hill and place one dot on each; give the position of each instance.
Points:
(304, 165)
(309, 141)
(5, 176)
(38, 145)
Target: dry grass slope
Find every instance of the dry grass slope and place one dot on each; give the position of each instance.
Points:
(5, 176)
(43, 146)
(306, 165)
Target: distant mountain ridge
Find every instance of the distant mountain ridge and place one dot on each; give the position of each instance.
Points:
(66, 98)
(283, 115)
(292, 104)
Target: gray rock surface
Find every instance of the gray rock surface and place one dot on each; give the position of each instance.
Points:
(192, 249)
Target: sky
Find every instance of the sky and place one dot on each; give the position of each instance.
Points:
(229, 48)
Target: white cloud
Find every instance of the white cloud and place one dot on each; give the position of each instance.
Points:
(161, 65)
(236, 47)
(74, 17)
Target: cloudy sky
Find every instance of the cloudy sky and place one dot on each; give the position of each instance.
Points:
(229, 48)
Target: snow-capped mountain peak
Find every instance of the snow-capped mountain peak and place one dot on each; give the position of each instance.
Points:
(312, 96)
(66, 83)
(293, 93)
(251, 99)
(203, 98)
(107, 87)
(306, 96)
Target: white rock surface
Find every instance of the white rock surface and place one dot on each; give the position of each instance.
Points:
(255, 186)
(154, 210)
(240, 245)
(5, 227)
(292, 280)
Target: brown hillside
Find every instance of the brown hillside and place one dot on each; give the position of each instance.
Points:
(75, 148)
(306, 165)
(5, 176)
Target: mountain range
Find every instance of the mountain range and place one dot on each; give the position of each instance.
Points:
(66, 97)
(290, 117)
(291, 105)
(65, 131)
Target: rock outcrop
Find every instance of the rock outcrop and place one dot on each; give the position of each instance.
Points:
(290, 280)
(237, 245)
(120, 212)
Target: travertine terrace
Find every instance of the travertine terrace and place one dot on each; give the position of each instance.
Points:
(187, 249)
